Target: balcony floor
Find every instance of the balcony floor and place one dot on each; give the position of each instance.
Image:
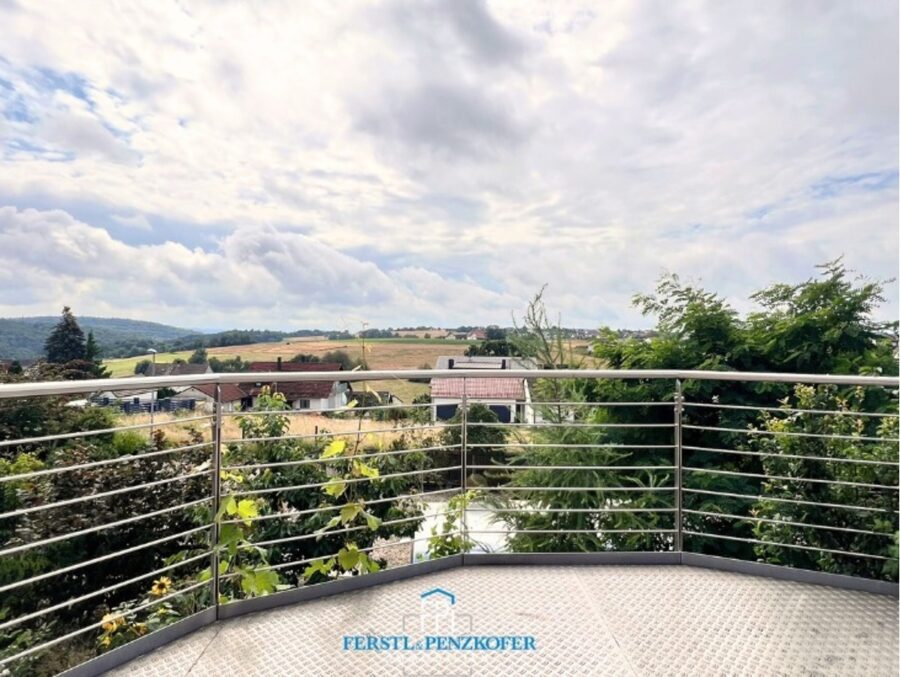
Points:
(587, 620)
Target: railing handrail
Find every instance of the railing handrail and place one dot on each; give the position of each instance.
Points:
(668, 526)
(30, 389)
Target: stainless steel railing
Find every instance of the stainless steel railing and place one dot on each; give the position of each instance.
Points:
(681, 481)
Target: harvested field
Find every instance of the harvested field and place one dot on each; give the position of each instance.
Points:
(179, 431)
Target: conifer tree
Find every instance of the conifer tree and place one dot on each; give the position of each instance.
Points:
(66, 341)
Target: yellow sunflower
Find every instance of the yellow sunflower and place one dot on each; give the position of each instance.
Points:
(111, 622)
(161, 586)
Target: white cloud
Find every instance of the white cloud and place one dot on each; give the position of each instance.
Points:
(267, 278)
(588, 145)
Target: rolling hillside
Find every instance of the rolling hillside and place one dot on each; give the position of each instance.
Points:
(23, 338)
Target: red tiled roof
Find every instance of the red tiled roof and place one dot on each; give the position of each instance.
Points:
(482, 388)
(230, 391)
(295, 366)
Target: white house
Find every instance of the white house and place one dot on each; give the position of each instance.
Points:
(232, 396)
(509, 398)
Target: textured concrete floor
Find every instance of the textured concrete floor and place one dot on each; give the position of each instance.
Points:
(586, 620)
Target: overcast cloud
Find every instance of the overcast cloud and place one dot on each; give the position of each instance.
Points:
(416, 162)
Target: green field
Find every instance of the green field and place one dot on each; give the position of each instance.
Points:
(125, 366)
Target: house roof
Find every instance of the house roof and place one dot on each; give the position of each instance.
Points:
(126, 394)
(230, 391)
(483, 362)
(295, 366)
(176, 369)
(307, 390)
(479, 388)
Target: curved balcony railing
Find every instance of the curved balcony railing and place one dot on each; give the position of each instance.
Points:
(121, 531)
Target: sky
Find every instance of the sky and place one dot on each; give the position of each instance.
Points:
(423, 162)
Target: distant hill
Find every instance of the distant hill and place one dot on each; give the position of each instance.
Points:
(23, 338)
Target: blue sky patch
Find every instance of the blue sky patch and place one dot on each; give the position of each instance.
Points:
(869, 181)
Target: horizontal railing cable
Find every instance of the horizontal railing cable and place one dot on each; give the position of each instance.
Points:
(787, 433)
(570, 467)
(330, 508)
(790, 410)
(798, 457)
(788, 478)
(508, 511)
(351, 480)
(103, 494)
(20, 390)
(803, 525)
(334, 532)
(757, 541)
(100, 527)
(776, 499)
(97, 625)
(127, 458)
(98, 431)
(102, 558)
(335, 459)
(336, 433)
(102, 591)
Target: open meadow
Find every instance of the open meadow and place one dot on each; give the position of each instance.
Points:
(398, 353)
(401, 353)
(179, 430)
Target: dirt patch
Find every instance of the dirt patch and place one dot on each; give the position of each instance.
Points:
(396, 554)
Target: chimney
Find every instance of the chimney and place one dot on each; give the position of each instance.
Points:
(278, 361)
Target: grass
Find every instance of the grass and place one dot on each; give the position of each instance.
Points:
(125, 366)
(405, 390)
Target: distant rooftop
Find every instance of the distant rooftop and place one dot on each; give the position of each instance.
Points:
(482, 362)
(281, 365)
(479, 388)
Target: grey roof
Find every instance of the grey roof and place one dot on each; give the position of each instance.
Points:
(483, 362)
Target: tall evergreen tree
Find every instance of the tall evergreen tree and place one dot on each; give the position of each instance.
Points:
(66, 341)
(92, 355)
(91, 349)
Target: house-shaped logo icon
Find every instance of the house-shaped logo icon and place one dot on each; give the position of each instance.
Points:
(437, 612)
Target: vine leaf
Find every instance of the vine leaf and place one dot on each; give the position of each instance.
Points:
(349, 512)
(365, 470)
(348, 556)
(247, 510)
(335, 487)
(231, 506)
(335, 448)
(372, 521)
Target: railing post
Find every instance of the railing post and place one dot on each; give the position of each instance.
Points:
(679, 409)
(464, 459)
(216, 495)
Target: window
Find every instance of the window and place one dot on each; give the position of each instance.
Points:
(303, 404)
